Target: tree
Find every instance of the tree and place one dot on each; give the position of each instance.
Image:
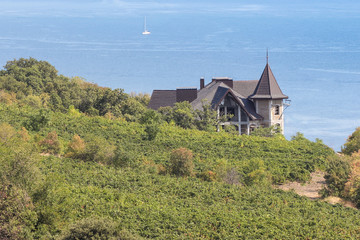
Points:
(206, 118)
(353, 143)
(183, 114)
(132, 109)
(32, 72)
(149, 117)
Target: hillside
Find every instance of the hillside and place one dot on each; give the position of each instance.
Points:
(67, 173)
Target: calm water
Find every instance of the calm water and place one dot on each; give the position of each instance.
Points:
(314, 49)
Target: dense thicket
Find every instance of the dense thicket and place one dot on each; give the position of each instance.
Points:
(37, 83)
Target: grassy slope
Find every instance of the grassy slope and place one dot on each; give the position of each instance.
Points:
(166, 207)
(284, 160)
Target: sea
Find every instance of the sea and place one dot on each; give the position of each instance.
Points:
(313, 46)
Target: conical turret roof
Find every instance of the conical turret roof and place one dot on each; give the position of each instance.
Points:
(267, 87)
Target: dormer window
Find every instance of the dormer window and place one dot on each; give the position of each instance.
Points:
(277, 110)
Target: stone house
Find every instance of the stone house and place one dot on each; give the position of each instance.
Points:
(249, 104)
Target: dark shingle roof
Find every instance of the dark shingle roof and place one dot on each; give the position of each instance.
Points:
(212, 93)
(162, 98)
(245, 88)
(267, 87)
(215, 92)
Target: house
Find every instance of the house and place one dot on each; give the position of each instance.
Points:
(249, 104)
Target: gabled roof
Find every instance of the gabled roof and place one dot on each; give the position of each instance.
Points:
(162, 98)
(267, 87)
(212, 93)
(215, 92)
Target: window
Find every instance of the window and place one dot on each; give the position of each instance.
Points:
(243, 129)
(252, 127)
(222, 111)
(231, 113)
(243, 116)
(277, 110)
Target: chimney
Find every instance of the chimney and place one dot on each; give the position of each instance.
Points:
(226, 80)
(202, 83)
(186, 94)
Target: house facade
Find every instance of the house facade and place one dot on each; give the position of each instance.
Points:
(248, 104)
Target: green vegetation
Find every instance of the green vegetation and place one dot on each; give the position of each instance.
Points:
(343, 173)
(353, 143)
(102, 166)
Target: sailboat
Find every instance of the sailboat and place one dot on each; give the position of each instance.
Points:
(145, 32)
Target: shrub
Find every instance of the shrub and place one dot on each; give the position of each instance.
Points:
(24, 134)
(151, 131)
(208, 176)
(98, 150)
(337, 174)
(37, 121)
(17, 214)
(231, 129)
(96, 228)
(76, 147)
(50, 144)
(149, 117)
(232, 177)
(7, 98)
(266, 131)
(181, 163)
(124, 158)
(352, 186)
(6, 132)
(255, 172)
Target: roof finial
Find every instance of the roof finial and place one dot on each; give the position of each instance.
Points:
(267, 56)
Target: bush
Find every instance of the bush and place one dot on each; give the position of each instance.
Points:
(76, 147)
(266, 131)
(37, 121)
(6, 132)
(352, 186)
(124, 158)
(50, 144)
(181, 163)
(17, 213)
(337, 175)
(151, 131)
(232, 177)
(255, 172)
(96, 228)
(231, 129)
(98, 150)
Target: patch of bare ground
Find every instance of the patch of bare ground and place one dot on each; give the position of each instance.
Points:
(312, 188)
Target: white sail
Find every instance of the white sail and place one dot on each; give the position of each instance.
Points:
(145, 32)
